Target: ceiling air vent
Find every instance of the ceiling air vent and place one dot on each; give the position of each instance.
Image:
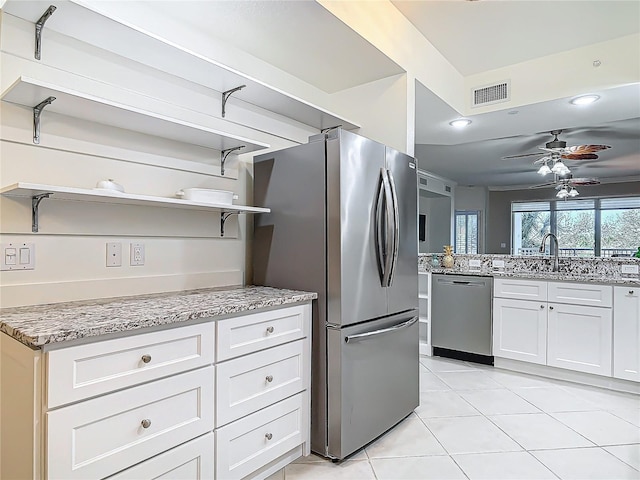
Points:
(490, 94)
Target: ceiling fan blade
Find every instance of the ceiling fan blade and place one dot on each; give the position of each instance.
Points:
(546, 158)
(580, 149)
(580, 156)
(584, 181)
(509, 157)
(544, 185)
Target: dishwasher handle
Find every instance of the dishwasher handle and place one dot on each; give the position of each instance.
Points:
(461, 282)
(367, 335)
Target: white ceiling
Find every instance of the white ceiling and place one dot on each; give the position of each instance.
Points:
(479, 36)
(300, 37)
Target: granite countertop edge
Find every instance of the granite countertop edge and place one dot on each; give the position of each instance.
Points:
(40, 325)
(550, 276)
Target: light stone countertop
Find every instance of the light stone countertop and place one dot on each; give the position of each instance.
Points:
(550, 276)
(40, 325)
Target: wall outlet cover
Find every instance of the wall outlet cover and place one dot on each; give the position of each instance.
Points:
(17, 256)
(114, 254)
(475, 264)
(497, 264)
(136, 254)
(630, 269)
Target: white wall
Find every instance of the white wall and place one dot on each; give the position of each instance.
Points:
(183, 247)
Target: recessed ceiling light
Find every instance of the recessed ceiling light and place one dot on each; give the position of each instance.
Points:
(585, 99)
(460, 123)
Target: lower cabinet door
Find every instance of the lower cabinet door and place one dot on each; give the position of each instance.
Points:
(626, 333)
(190, 461)
(520, 330)
(580, 338)
(253, 441)
(104, 435)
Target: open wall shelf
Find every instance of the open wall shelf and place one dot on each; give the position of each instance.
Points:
(85, 23)
(39, 192)
(30, 92)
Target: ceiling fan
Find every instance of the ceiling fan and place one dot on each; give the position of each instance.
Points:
(559, 148)
(566, 185)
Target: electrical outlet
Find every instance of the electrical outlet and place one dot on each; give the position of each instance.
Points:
(630, 269)
(498, 264)
(475, 264)
(114, 254)
(136, 254)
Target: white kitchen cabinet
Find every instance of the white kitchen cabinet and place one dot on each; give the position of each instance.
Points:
(520, 330)
(560, 324)
(157, 419)
(424, 312)
(626, 333)
(579, 338)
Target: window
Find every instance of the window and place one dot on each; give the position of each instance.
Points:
(585, 228)
(466, 237)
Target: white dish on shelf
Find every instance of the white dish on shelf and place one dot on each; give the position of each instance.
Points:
(109, 185)
(207, 195)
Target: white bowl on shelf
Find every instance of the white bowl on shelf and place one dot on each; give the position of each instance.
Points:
(207, 195)
(109, 185)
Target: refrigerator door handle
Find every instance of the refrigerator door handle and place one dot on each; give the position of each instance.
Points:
(389, 226)
(380, 244)
(382, 331)
(396, 228)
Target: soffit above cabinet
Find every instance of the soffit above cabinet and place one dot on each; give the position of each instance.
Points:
(81, 22)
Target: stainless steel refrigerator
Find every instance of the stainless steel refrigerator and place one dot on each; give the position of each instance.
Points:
(343, 224)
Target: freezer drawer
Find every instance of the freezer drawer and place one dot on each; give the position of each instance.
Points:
(373, 380)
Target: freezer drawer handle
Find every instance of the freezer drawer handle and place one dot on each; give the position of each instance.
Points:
(367, 335)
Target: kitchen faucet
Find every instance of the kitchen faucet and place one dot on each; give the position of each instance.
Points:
(556, 266)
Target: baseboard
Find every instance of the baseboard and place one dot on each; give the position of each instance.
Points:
(464, 356)
(41, 293)
(568, 375)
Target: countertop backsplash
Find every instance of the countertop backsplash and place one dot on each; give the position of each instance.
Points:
(595, 269)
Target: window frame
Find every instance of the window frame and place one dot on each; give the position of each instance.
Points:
(466, 214)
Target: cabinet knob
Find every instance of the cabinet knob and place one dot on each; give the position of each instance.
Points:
(541, 306)
(268, 436)
(550, 308)
(630, 292)
(269, 329)
(269, 378)
(146, 358)
(146, 423)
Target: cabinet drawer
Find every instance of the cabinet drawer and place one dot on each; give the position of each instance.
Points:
(99, 437)
(520, 289)
(253, 441)
(84, 371)
(249, 383)
(250, 333)
(190, 461)
(581, 294)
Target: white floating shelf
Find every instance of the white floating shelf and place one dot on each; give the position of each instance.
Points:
(35, 191)
(87, 24)
(29, 92)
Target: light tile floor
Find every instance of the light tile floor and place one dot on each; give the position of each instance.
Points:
(477, 422)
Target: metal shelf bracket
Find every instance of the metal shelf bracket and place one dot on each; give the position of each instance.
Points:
(37, 111)
(35, 203)
(226, 95)
(224, 154)
(39, 25)
(223, 218)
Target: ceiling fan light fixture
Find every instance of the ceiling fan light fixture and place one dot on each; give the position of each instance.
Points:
(584, 99)
(559, 168)
(573, 192)
(460, 123)
(562, 193)
(544, 170)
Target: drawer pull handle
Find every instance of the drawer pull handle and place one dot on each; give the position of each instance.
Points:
(550, 308)
(146, 358)
(269, 329)
(269, 378)
(268, 436)
(146, 423)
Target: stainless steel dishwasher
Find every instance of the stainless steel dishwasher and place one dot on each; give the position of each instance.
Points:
(461, 317)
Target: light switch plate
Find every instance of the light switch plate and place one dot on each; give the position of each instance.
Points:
(17, 256)
(630, 269)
